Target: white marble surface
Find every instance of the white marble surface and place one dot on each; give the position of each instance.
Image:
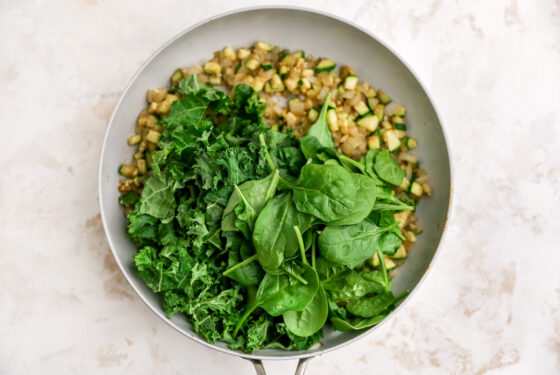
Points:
(492, 302)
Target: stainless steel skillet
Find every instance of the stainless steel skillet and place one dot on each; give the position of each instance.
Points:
(321, 35)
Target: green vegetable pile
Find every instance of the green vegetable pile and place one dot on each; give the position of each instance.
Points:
(259, 238)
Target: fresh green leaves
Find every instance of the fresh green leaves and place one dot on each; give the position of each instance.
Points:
(158, 199)
(372, 306)
(350, 245)
(319, 135)
(312, 318)
(255, 192)
(388, 169)
(327, 192)
(256, 237)
(274, 237)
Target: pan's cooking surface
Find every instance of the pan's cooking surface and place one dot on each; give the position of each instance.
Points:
(322, 36)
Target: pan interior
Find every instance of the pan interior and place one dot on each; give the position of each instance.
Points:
(318, 35)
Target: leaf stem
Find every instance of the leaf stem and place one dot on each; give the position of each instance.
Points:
(244, 317)
(324, 108)
(266, 154)
(295, 276)
(313, 241)
(383, 268)
(240, 264)
(301, 245)
(272, 186)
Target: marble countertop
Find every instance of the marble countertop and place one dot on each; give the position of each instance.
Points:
(490, 306)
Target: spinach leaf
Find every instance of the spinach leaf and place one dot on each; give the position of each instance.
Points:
(256, 193)
(319, 134)
(389, 243)
(388, 169)
(327, 192)
(365, 200)
(369, 307)
(278, 294)
(350, 245)
(273, 236)
(249, 274)
(311, 319)
(357, 323)
(349, 285)
(246, 215)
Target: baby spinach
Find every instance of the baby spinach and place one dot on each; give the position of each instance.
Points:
(319, 134)
(273, 236)
(311, 319)
(256, 194)
(388, 169)
(247, 273)
(368, 307)
(327, 192)
(365, 200)
(278, 294)
(357, 323)
(349, 285)
(350, 245)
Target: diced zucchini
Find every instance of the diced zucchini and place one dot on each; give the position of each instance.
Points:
(416, 189)
(405, 184)
(304, 83)
(374, 260)
(361, 108)
(372, 102)
(153, 136)
(325, 65)
(258, 84)
(212, 67)
(385, 99)
(263, 45)
(395, 109)
(299, 54)
(313, 115)
(134, 139)
(332, 120)
(397, 120)
(276, 83)
(266, 66)
(177, 76)
(391, 139)
(373, 142)
(389, 264)
(400, 127)
(351, 82)
(252, 64)
(138, 155)
(243, 53)
(128, 170)
(378, 111)
(368, 122)
(411, 143)
(237, 68)
(411, 236)
(141, 165)
(400, 253)
(283, 71)
(229, 53)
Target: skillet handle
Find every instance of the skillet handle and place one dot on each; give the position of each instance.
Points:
(300, 370)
